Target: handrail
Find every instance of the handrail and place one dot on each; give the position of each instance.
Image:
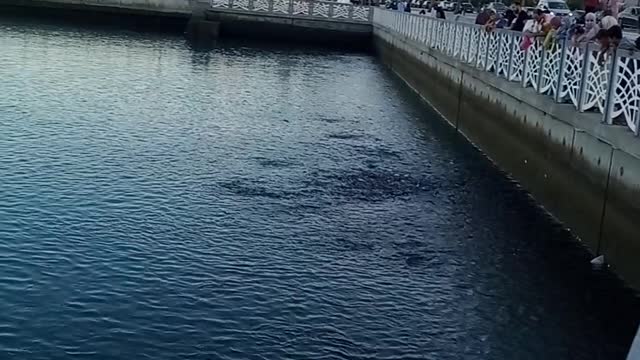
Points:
(569, 74)
(300, 8)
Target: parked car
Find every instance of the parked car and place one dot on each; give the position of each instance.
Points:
(467, 7)
(556, 7)
(448, 5)
(498, 7)
(629, 18)
(579, 14)
(460, 7)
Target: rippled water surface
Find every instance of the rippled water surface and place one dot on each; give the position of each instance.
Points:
(158, 202)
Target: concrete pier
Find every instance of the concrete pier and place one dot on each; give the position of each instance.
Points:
(168, 8)
(331, 24)
(309, 31)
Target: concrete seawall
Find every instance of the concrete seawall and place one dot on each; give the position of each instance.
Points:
(155, 15)
(170, 8)
(201, 22)
(584, 172)
(270, 27)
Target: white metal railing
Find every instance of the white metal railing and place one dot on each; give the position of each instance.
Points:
(299, 8)
(569, 74)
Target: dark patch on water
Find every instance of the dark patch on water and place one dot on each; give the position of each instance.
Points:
(331, 120)
(252, 188)
(273, 163)
(345, 136)
(376, 152)
(355, 244)
(416, 260)
(377, 184)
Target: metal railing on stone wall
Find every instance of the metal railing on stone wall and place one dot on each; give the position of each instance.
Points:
(569, 74)
(299, 8)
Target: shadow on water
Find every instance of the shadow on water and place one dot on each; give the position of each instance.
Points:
(562, 265)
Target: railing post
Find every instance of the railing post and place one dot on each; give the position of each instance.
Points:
(611, 90)
(476, 55)
(525, 62)
(412, 26)
(543, 57)
(330, 15)
(311, 6)
(270, 5)
(470, 33)
(451, 39)
(350, 16)
(250, 7)
(560, 79)
(586, 64)
(637, 123)
(434, 33)
(512, 50)
(496, 64)
(454, 39)
(486, 53)
(291, 7)
(370, 12)
(395, 21)
(230, 4)
(444, 36)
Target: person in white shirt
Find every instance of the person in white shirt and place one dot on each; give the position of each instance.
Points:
(532, 29)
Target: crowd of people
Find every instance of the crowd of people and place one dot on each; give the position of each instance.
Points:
(599, 23)
(435, 10)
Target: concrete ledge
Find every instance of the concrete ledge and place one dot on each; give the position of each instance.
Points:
(584, 172)
(169, 8)
(317, 20)
(352, 35)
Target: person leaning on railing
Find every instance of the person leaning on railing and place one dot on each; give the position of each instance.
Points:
(610, 40)
(521, 19)
(583, 35)
(491, 22)
(533, 28)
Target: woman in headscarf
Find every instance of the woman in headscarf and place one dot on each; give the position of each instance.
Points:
(591, 29)
(608, 21)
(550, 39)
